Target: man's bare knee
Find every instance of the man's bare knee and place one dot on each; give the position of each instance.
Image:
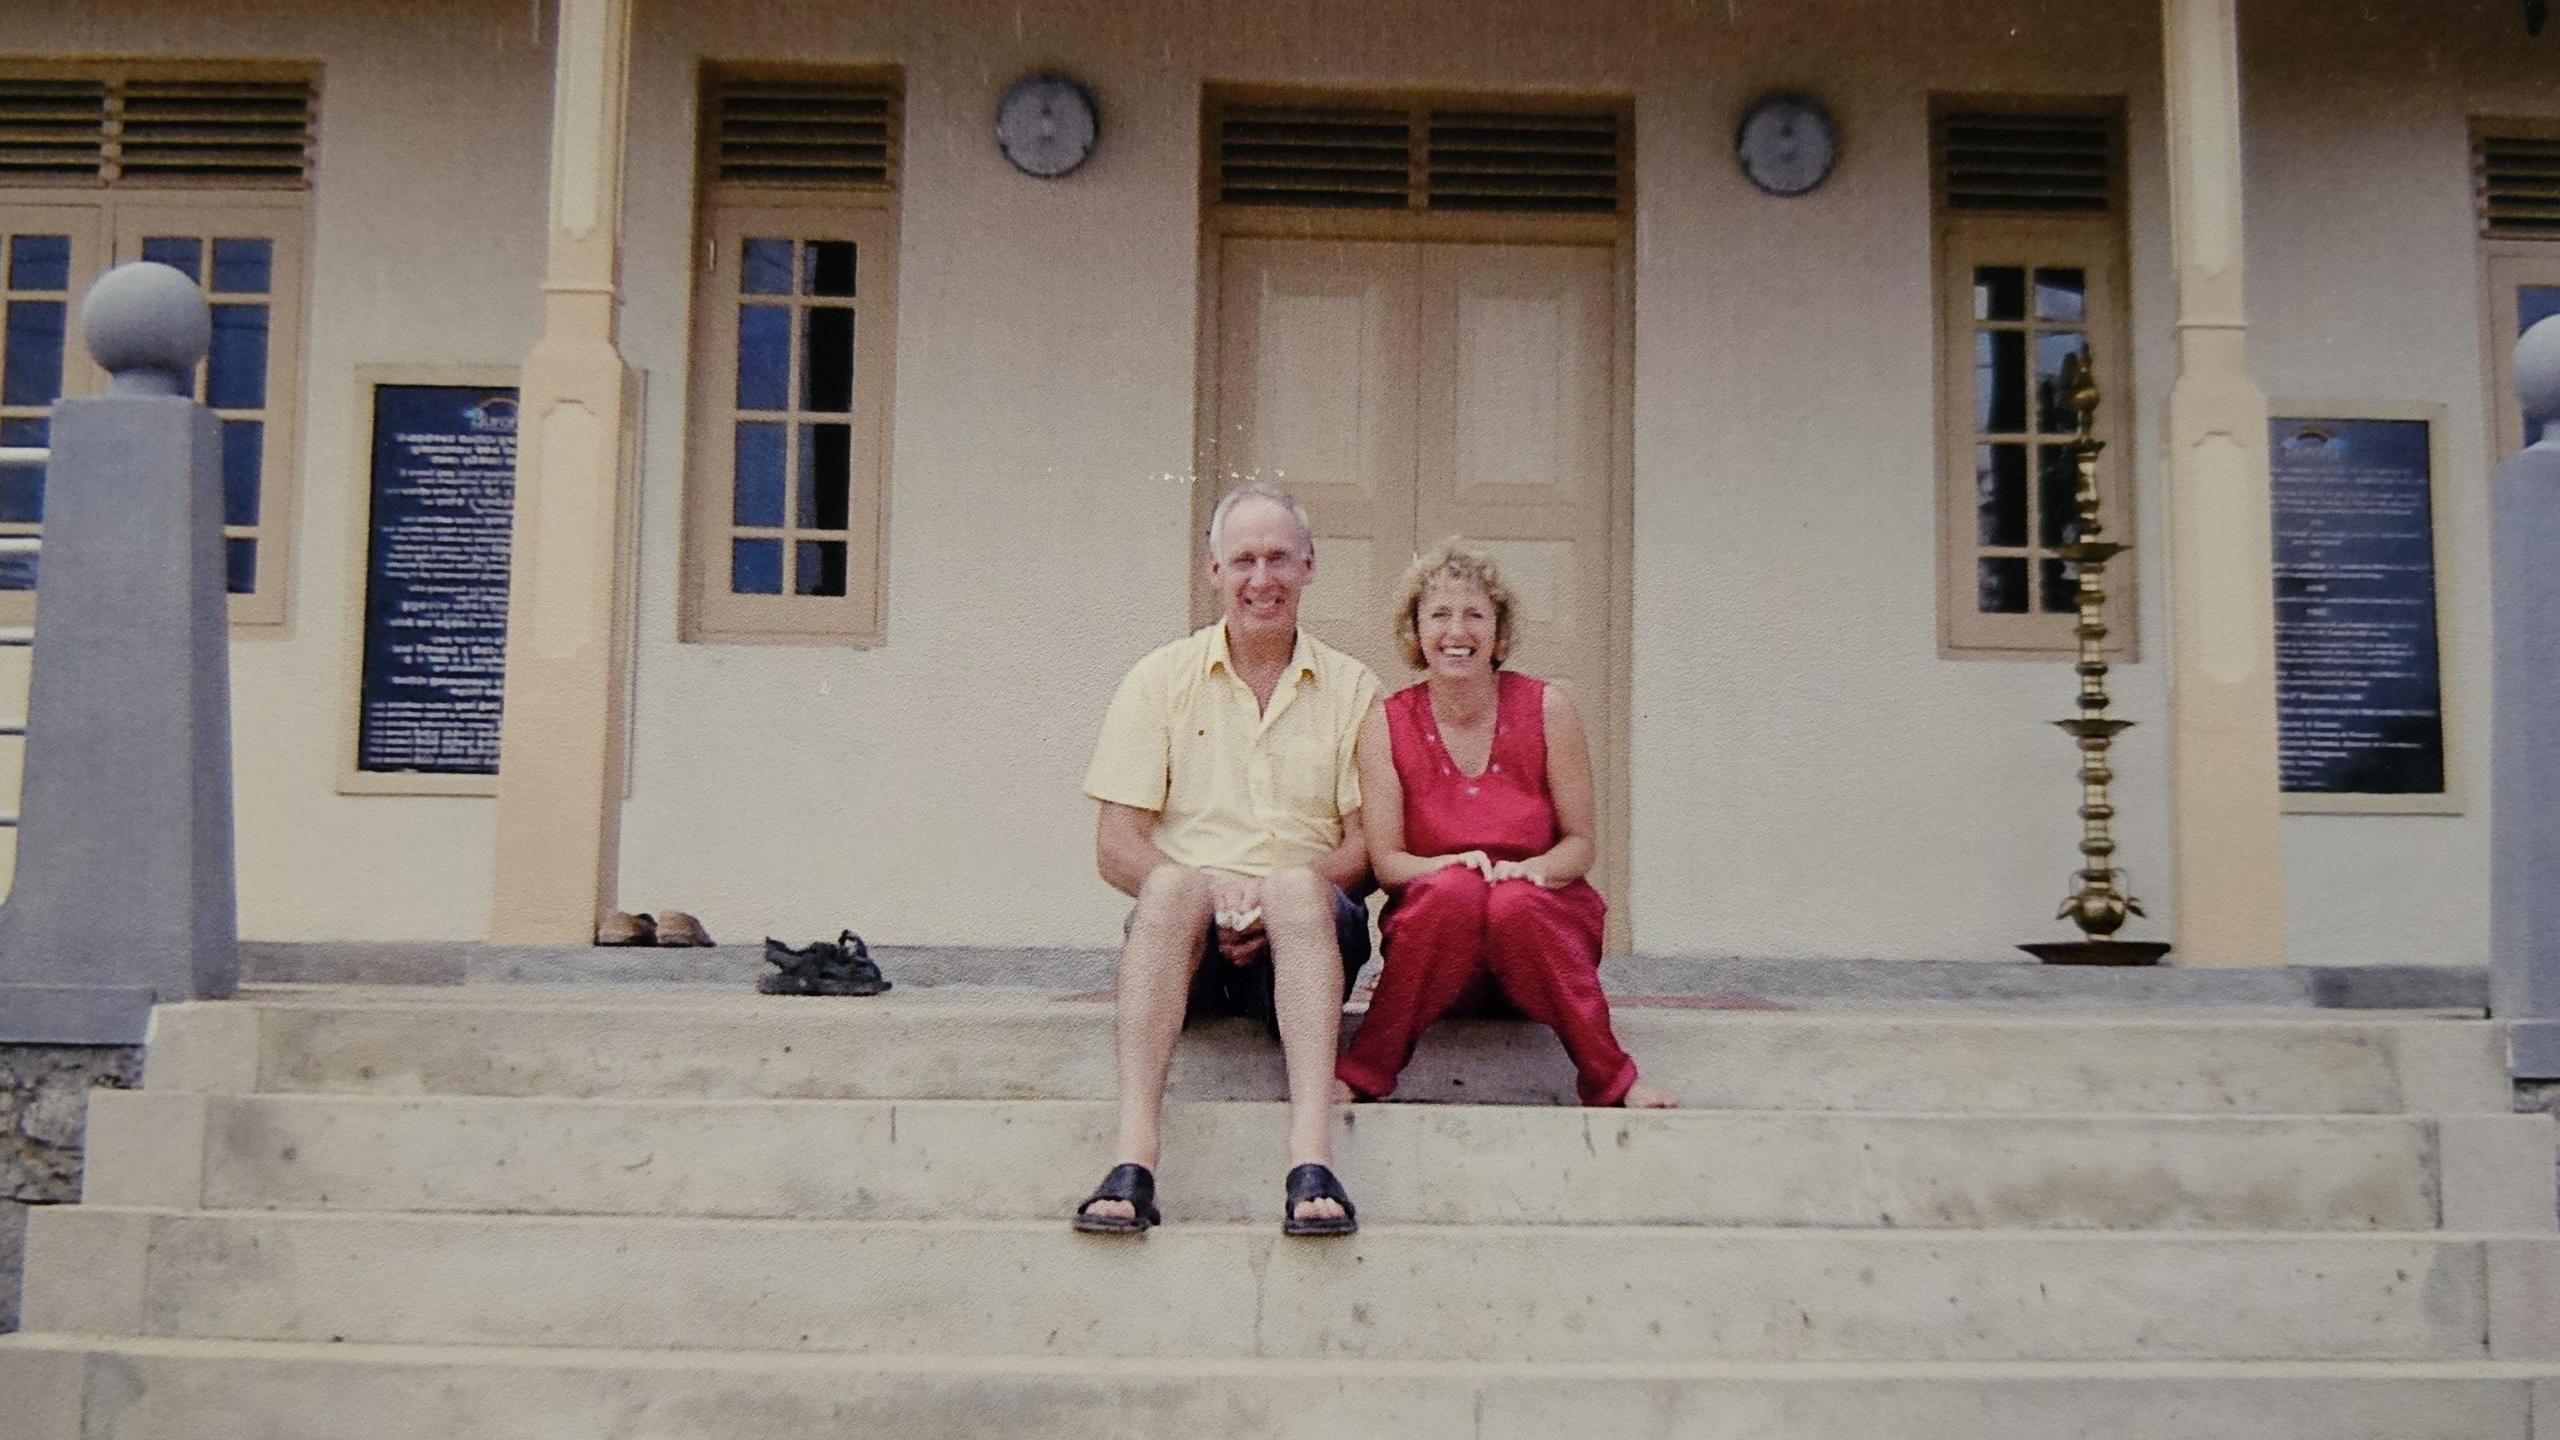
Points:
(1174, 895)
(1297, 895)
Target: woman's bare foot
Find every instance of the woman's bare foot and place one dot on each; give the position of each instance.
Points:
(1343, 1094)
(1641, 1096)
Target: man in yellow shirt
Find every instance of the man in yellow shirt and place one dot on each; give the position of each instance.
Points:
(1231, 811)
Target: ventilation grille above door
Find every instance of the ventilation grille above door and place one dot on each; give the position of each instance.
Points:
(1417, 158)
(2036, 164)
(157, 130)
(2517, 182)
(1495, 161)
(838, 134)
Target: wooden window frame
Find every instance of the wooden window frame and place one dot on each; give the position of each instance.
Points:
(2093, 243)
(119, 212)
(2507, 262)
(714, 615)
(729, 211)
(119, 221)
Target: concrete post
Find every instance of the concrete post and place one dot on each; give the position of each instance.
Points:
(559, 811)
(124, 895)
(2226, 857)
(2524, 783)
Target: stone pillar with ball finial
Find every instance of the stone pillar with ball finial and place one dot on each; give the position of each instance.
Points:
(124, 894)
(2524, 774)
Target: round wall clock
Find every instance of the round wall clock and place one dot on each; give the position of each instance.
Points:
(1787, 144)
(1046, 125)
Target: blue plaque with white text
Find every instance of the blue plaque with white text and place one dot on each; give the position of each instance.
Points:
(435, 604)
(2359, 697)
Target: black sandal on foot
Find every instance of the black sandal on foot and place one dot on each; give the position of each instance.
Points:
(1315, 1182)
(1131, 1182)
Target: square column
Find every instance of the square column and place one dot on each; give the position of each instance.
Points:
(559, 812)
(2226, 865)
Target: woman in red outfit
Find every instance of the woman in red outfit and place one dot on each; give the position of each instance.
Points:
(1476, 793)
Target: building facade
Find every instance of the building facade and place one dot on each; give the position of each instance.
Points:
(858, 463)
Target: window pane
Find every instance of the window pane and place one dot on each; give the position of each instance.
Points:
(183, 251)
(2000, 381)
(244, 446)
(236, 377)
(764, 267)
(22, 486)
(829, 385)
(830, 267)
(17, 572)
(2061, 587)
(758, 498)
(2000, 494)
(31, 359)
(2534, 304)
(40, 262)
(2000, 586)
(2054, 414)
(755, 567)
(2062, 295)
(240, 564)
(2057, 495)
(243, 267)
(1999, 293)
(764, 357)
(820, 568)
(826, 475)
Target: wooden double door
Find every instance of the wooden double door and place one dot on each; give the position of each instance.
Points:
(1408, 392)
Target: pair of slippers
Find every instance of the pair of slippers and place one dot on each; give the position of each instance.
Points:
(842, 966)
(672, 927)
(1136, 1184)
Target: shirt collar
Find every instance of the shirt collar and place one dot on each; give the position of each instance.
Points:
(1302, 655)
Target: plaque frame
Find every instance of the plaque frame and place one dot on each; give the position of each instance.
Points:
(2451, 706)
(352, 779)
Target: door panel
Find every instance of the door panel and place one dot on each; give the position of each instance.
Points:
(1316, 374)
(1515, 451)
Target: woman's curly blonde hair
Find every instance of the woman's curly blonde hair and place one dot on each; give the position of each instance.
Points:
(1454, 559)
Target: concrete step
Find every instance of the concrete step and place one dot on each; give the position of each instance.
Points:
(1205, 1292)
(1009, 1044)
(215, 1390)
(1450, 1164)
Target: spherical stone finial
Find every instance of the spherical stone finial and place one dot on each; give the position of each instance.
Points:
(147, 326)
(2538, 375)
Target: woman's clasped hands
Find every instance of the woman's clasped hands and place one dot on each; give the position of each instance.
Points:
(1496, 871)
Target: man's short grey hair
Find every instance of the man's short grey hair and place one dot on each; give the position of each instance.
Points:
(1260, 490)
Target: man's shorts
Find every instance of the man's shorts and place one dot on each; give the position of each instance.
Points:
(1220, 987)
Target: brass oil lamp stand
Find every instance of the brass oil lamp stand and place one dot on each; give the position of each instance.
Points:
(2098, 904)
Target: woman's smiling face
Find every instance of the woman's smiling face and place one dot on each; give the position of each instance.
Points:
(1455, 623)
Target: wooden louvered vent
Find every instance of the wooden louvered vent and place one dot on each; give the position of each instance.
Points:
(1418, 158)
(157, 131)
(53, 132)
(2517, 179)
(806, 133)
(2036, 164)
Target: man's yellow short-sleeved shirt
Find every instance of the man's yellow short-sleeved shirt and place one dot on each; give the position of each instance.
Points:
(1233, 786)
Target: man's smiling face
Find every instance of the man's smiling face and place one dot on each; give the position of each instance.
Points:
(1262, 566)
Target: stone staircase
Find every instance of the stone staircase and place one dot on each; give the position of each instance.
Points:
(650, 1212)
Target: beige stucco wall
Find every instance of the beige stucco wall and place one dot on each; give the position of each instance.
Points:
(1809, 777)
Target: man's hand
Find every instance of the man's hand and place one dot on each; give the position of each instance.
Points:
(1236, 904)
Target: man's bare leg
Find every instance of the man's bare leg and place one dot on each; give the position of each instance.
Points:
(1155, 983)
(1306, 961)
